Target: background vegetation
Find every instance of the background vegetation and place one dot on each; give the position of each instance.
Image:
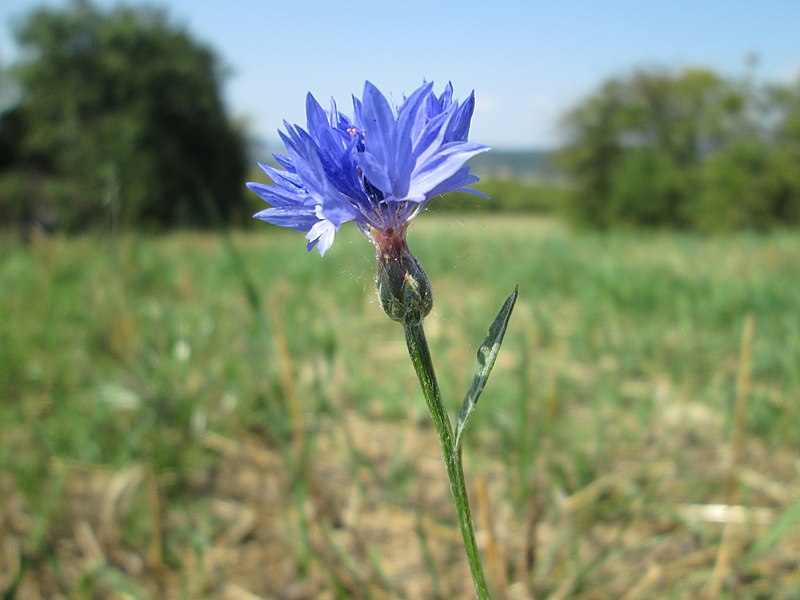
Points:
(182, 417)
(688, 150)
(120, 121)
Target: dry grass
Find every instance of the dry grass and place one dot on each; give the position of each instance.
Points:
(637, 439)
(632, 533)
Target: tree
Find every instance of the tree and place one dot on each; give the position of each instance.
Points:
(10, 125)
(784, 165)
(123, 115)
(635, 147)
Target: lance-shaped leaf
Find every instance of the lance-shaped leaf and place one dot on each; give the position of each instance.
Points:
(487, 355)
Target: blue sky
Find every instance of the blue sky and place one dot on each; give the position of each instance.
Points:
(527, 60)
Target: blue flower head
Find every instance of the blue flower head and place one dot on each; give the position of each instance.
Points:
(378, 168)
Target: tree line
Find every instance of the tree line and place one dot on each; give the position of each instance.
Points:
(690, 149)
(116, 117)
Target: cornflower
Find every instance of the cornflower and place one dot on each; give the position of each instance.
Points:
(380, 168)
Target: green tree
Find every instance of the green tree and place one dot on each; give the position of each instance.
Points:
(635, 147)
(10, 126)
(736, 190)
(123, 115)
(784, 102)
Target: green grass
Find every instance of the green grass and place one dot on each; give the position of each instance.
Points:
(616, 383)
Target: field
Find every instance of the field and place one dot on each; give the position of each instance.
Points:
(204, 416)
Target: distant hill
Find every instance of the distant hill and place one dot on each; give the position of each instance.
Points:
(526, 165)
(515, 164)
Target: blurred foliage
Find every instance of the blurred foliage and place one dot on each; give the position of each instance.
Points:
(614, 397)
(505, 195)
(692, 150)
(120, 119)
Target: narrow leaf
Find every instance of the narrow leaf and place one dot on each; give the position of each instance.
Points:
(487, 355)
(788, 522)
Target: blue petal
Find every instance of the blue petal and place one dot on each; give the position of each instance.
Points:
(447, 95)
(442, 165)
(337, 206)
(432, 137)
(281, 177)
(293, 218)
(357, 113)
(334, 118)
(277, 195)
(458, 128)
(327, 140)
(284, 161)
(408, 122)
(316, 118)
(338, 210)
(379, 129)
(458, 183)
(375, 171)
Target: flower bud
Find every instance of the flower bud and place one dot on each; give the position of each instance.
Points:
(403, 287)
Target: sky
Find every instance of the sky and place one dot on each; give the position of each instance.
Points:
(528, 61)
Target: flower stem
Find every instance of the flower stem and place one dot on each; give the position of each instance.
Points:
(423, 365)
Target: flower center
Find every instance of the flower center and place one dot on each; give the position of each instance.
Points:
(355, 132)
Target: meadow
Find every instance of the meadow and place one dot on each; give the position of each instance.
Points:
(203, 415)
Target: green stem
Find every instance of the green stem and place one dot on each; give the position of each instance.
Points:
(421, 357)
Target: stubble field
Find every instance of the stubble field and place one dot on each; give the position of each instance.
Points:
(197, 416)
